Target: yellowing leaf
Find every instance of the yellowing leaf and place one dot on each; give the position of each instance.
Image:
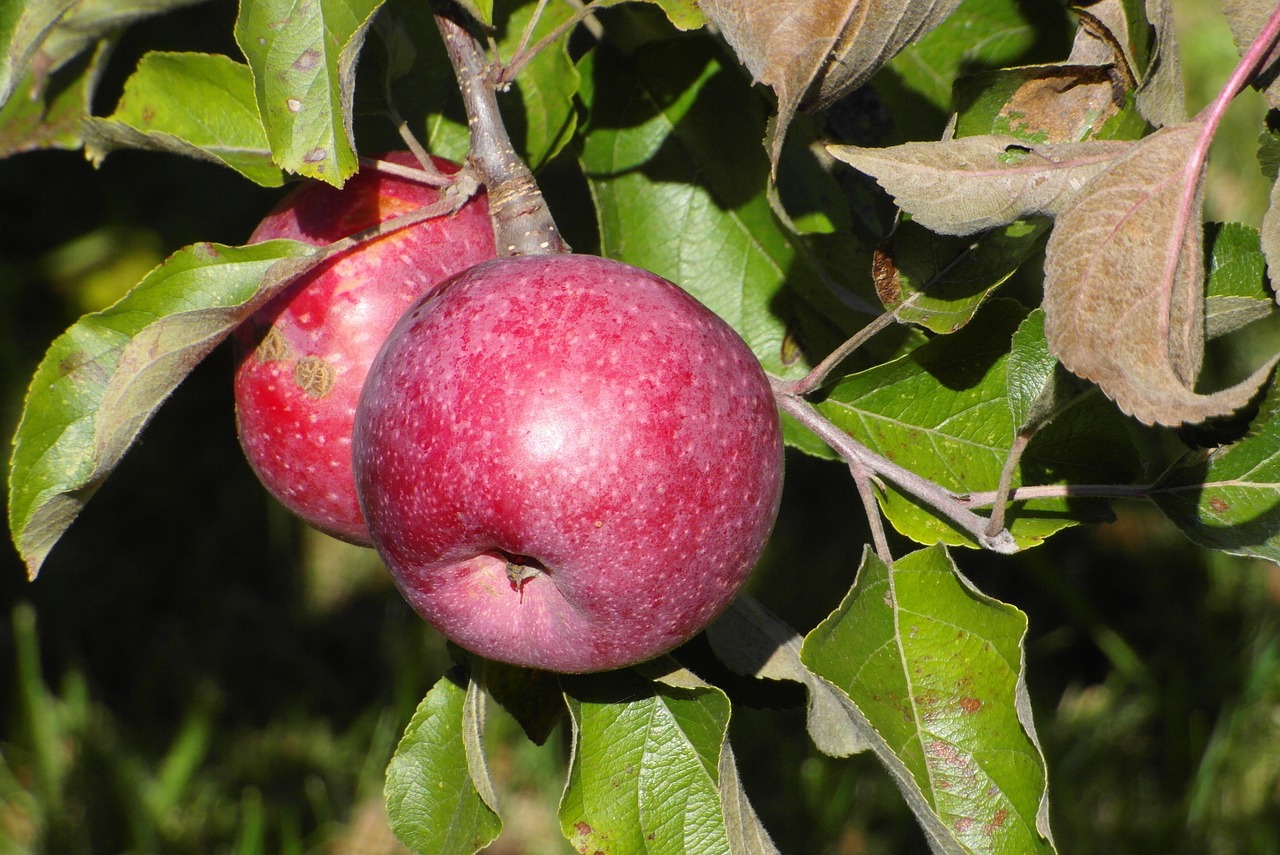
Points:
(1124, 272)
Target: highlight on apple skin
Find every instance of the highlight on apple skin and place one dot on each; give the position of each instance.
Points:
(301, 360)
(566, 462)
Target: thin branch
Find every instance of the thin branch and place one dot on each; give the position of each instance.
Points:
(522, 223)
(862, 479)
(525, 54)
(1001, 504)
(432, 178)
(942, 500)
(1059, 491)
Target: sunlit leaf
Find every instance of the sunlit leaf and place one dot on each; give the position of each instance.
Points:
(104, 378)
(644, 776)
(939, 672)
(439, 796)
(1124, 284)
(194, 104)
(943, 412)
(963, 186)
(303, 58)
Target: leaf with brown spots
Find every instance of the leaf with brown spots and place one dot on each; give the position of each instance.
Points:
(811, 52)
(937, 671)
(1229, 499)
(303, 57)
(1124, 284)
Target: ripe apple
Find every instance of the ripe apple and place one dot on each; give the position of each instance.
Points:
(301, 360)
(566, 462)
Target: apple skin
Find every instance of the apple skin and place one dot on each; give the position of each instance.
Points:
(302, 359)
(566, 462)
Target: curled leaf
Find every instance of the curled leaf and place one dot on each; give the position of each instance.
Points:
(1124, 274)
(811, 52)
(967, 185)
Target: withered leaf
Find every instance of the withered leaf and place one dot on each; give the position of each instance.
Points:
(1161, 97)
(1124, 293)
(963, 186)
(812, 52)
(1246, 19)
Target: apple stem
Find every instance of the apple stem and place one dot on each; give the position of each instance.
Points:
(522, 223)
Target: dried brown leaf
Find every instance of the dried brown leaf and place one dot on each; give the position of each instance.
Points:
(1161, 98)
(962, 186)
(812, 52)
(1124, 292)
(1247, 18)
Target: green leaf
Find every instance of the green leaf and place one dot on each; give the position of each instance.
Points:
(47, 111)
(481, 10)
(539, 111)
(24, 25)
(1237, 292)
(674, 164)
(939, 281)
(1228, 499)
(546, 87)
(194, 104)
(303, 57)
(751, 640)
(645, 772)
(978, 32)
(683, 14)
(439, 796)
(943, 412)
(106, 376)
(1039, 387)
(938, 670)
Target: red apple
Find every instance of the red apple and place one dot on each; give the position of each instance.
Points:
(302, 359)
(566, 462)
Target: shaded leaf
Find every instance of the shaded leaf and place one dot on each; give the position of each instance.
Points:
(751, 640)
(939, 672)
(811, 53)
(104, 378)
(644, 776)
(198, 105)
(1228, 498)
(939, 282)
(683, 14)
(962, 186)
(1161, 98)
(303, 58)
(539, 108)
(943, 412)
(1124, 284)
(679, 182)
(978, 33)
(439, 796)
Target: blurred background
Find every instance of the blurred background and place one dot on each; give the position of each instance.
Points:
(195, 673)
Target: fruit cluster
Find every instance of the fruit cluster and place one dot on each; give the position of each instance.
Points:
(566, 462)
